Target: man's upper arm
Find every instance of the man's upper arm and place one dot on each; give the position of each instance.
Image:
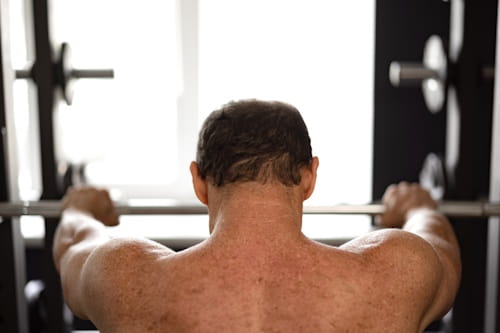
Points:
(92, 274)
(420, 271)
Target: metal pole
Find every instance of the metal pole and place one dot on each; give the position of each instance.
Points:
(53, 209)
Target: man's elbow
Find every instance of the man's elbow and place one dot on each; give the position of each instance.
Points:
(70, 266)
(453, 269)
(73, 298)
(74, 271)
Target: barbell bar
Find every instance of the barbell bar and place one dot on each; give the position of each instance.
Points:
(53, 209)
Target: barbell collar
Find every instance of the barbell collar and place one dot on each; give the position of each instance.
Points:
(53, 209)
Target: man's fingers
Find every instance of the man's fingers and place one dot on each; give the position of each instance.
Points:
(387, 220)
(110, 219)
(404, 184)
(389, 191)
(399, 199)
(96, 202)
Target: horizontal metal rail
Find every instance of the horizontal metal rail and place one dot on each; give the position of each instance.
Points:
(53, 209)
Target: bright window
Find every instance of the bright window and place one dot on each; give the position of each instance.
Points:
(175, 61)
(124, 129)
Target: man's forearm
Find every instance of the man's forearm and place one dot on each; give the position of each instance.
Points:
(76, 227)
(429, 224)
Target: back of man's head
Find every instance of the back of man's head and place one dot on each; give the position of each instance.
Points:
(253, 140)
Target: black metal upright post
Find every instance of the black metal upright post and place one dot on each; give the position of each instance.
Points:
(469, 168)
(43, 75)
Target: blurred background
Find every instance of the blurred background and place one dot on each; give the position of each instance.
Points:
(112, 93)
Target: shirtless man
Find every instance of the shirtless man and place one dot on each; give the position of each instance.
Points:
(257, 272)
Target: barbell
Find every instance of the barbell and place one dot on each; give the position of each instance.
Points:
(53, 209)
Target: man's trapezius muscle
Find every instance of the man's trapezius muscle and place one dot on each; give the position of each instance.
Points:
(257, 272)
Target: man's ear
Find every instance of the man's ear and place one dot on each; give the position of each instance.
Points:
(199, 184)
(308, 177)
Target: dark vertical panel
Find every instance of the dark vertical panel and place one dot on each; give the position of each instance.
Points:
(492, 304)
(404, 130)
(475, 101)
(471, 172)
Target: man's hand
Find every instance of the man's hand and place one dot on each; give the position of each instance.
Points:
(401, 201)
(97, 203)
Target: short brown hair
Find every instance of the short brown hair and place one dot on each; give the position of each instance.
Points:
(253, 140)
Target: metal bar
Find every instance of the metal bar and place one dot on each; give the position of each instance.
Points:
(53, 209)
(74, 74)
(92, 73)
(23, 74)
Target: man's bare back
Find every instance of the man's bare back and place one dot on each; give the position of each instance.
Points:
(244, 280)
(257, 272)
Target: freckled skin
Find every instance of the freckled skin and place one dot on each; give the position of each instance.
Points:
(258, 273)
(302, 287)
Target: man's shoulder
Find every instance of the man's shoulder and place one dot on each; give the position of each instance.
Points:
(401, 264)
(398, 258)
(126, 254)
(121, 261)
(115, 272)
(390, 243)
(403, 272)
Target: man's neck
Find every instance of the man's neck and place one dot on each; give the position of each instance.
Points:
(253, 210)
